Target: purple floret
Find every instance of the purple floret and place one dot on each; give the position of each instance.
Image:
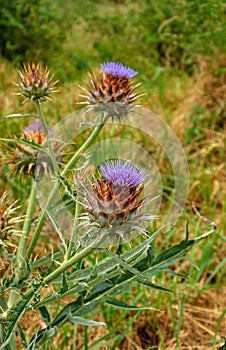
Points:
(118, 70)
(35, 126)
(123, 173)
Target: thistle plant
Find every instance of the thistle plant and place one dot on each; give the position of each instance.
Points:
(108, 207)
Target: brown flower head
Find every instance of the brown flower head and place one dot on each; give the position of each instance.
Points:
(31, 157)
(35, 82)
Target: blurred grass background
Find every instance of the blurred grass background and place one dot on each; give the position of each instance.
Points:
(178, 48)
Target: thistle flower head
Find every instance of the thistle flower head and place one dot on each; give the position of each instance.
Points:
(116, 196)
(30, 157)
(8, 220)
(35, 132)
(113, 91)
(35, 82)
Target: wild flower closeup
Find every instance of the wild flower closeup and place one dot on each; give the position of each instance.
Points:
(35, 82)
(116, 197)
(31, 158)
(113, 91)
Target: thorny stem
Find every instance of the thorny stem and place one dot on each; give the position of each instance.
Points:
(3, 327)
(68, 167)
(20, 261)
(68, 263)
(27, 224)
(73, 234)
(30, 293)
(20, 257)
(84, 147)
(73, 260)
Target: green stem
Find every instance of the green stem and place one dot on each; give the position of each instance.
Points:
(73, 234)
(68, 167)
(36, 234)
(46, 131)
(21, 251)
(27, 224)
(84, 147)
(68, 263)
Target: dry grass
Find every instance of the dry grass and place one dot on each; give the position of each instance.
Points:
(200, 317)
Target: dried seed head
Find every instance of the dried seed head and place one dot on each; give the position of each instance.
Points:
(35, 82)
(8, 220)
(113, 92)
(31, 157)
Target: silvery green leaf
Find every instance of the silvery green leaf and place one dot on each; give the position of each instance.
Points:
(81, 320)
(122, 305)
(51, 298)
(41, 336)
(67, 310)
(25, 142)
(56, 227)
(20, 116)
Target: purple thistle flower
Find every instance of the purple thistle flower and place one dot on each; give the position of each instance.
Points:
(118, 70)
(123, 174)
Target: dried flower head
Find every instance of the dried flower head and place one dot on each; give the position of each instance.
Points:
(116, 198)
(30, 157)
(113, 92)
(8, 220)
(36, 82)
